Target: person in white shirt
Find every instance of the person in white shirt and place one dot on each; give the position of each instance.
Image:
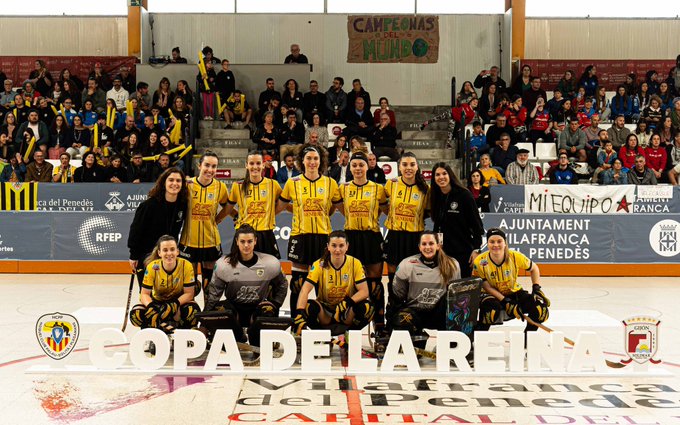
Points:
(118, 93)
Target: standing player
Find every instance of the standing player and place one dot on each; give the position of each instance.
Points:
(167, 297)
(200, 241)
(255, 196)
(341, 290)
(420, 287)
(363, 200)
(498, 268)
(252, 283)
(409, 204)
(312, 196)
(161, 214)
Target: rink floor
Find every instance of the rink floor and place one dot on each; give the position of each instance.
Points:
(598, 304)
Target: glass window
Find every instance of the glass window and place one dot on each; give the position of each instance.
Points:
(478, 7)
(604, 9)
(192, 6)
(371, 6)
(60, 8)
(278, 6)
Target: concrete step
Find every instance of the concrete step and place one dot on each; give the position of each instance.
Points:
(438, 154)
(421, 144)
(225, 143)
(426, 134)
(228, 153)
(221, 133)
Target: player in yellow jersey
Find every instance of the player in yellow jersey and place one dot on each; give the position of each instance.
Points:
(341, 290)
(200, 241)
(167, 297)
(311, 197)
(409, 203)
(255, 198)
(363, 201)
(498, 268)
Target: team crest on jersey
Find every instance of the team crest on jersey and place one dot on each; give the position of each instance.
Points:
(345, 276)
(453, 206)
(641, 336)
(57, 334)
(416, 196)
(367, 194)
(320, 191)
(484, 263)
(156, 267)
(211, 196)
(263, 193)
(507, 273)
(259, 272)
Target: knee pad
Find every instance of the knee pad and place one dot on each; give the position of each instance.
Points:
(187, 315)
(363, 313)
(405, 321)
(137, 316)
(266, 309)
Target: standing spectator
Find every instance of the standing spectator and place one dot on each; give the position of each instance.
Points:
(640, 174)
(314, 102)
(630, 151)
(39, 170)
(206, 86)
(384, 139)
(295, 55)
(656, 158)
(488, 103)
(615, 175)
(267, 95)
(618, 132)
(562, 173)
(163, 97)
(488, 77)
(652, 80)
(225, 81)
(573, 141)
(287, 169)
(589, 81)
(466, 94)
(521, 171)
(66, 75)
(64, 172)
(95, 94)
(336, 101)
(523, 81)
(208, 56)
(540, 124)
(293, 98)
(567, 84)
(7, 96)
(631, 84)
(100, 76)
(530, 97)
(33, 127)
(41, 78)
(15, 171)
(177, 56)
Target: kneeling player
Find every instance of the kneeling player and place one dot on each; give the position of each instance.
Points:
(341, 291)
(498, 268)
(252, 283)
(167, 297)
(420, 286)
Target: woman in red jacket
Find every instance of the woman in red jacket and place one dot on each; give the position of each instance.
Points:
(628, 152)
(656, 157)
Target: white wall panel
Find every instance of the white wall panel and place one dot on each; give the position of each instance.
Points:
(602, 39)
(59, 36)
(468, 43)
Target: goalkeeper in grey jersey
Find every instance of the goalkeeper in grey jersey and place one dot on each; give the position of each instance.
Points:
(252, 283)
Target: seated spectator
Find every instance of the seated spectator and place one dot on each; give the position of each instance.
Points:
(37, 129)
(466, 93)
(359, 120)
(158, 167)
(622, 104)
(517, 116)
(521, 171)
(493, 134)
(615, 175)
(319, 129)
(181, 112)
(592, 131)
(118, 93)
(128, 148)
(605, 159)
(652, 114)
(30, 94)
(95, 94)
(295, 55)
(480, 191)
(491, 175)
(383, 139)
(138, 114)
(628, 152)
(588, 80)
(238, 109)
(488, 102)
(340, 170)
(45, 112)
(656, 158)
(6, 149)
(631, 84)
(7, 96)
(225, 81)
(602, 105)
(163, 96)
(59, 138)
(336, 101)
(184, 92)
(152, 146)
(540, 124)
(478, 143)
(148, 128)
(357, 92)
(666, 131)
(563, 115)
(267, 95)
(488, 77)
(138, 171)
(675, 115)
(314, 102)
(64, 172)
(287, 169)
(530, 97)
(90, 171)
(652, 78)
(177, 56)
(618, 133)
(643, 134)
(375, 173)
(384, 109)
(503, 154)
(100, 76)
(567, 84)
(158, 119)
(337, 148)
(555, 104)
(665, 96)
(673, 153)
(356, 144)
(274, 107)
(573, 141)
(268, 170)
(39, 170)
(292, 135)
(292, 97)
(640, 174)
(562, 173)
(116, 172)
(69, 110)
(14, 171)
(267, 134)
(579, 101)
(585, 114)
(10, 128)
(20, 110)
(88, 115)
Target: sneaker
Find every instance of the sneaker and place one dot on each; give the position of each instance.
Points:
(228, 127)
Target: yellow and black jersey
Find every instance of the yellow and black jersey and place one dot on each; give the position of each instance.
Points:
(200, 228)
(407, 206)
(362, 205)
(168, 285)
(257, 207)
(312, 201)
(331, 284)
(18, 196)
(67, 177)
(502, 277)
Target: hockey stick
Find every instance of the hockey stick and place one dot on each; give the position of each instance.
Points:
(129, 299)
(614, 365)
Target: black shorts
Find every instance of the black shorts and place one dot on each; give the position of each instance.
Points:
(306, 249)
(366, 246)
(399, 245)
(266, 243)
(200, 255)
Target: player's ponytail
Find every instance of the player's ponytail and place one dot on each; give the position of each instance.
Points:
(447, 266)
(326, 259)
(154, 254)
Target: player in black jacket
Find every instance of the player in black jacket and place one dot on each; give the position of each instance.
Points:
(161, 214)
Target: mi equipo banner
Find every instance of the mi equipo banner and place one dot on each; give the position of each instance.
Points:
(393, 39)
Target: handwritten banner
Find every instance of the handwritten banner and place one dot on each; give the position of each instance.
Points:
(393, 39)
(573, 199)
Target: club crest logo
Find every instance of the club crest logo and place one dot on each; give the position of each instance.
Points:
(259, 272)
(57, 334)
(641, 336)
